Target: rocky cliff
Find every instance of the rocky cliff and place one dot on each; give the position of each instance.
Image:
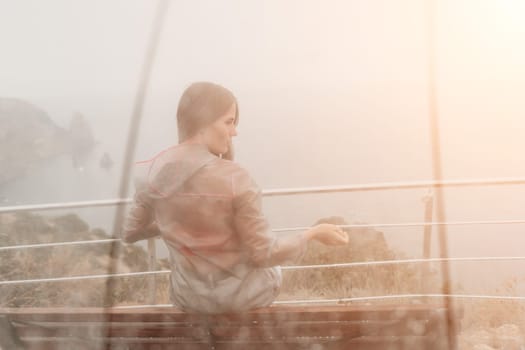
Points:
(63, 261)
(29, 137)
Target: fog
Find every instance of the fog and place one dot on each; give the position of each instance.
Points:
(330, 93)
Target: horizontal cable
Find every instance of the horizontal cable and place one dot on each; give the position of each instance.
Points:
(289, 191)
(411, 224)
(141, 306)
(44, 245)
(300, 267)
(403, 261)
(394, 186)
(358, 299)
(287, 229)
(85, 277)
(66, 205)
(398, 296)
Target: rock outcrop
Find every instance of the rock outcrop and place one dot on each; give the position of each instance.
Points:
(71, 260)
(28, 136)
(365, 244)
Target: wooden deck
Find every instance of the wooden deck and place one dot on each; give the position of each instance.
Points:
(362, 327)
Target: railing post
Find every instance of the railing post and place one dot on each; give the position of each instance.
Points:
(152, 266)
(428, 200)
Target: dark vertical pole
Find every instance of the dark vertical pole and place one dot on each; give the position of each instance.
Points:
(152, 266)
(138, 105)
(145, 74)
(438, 174)
(427, 239)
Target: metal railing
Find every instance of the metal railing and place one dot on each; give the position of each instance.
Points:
(288, 192)
(286, 229)
(427, 224)
(285, 268)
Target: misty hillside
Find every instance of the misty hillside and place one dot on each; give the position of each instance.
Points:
(486, 324)
(29, 137)
(23, 228)
(365, 244)
(61, 261)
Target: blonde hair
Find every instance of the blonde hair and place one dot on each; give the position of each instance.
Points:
(201, 104)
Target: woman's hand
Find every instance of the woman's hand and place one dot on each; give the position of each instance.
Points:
(328, 234)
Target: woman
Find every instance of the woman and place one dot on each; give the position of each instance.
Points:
(207, 208)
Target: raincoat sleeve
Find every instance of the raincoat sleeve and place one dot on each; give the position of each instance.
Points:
(140, 221)
(264, 247)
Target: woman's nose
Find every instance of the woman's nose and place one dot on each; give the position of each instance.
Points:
(233, 131)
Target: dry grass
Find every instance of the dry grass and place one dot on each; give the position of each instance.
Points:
(498, 324)
(486, 324)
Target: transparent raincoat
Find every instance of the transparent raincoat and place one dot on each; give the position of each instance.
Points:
(223, 256)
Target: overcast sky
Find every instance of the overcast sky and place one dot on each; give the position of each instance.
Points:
(317, 70)
(330, 92)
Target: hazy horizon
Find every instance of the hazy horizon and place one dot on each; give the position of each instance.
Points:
(330, 93)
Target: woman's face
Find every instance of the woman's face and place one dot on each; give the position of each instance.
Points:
(218, 135)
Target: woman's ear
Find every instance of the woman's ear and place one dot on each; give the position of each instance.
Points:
(200, 136)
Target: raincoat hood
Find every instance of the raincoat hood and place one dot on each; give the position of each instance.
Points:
(167, 172)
